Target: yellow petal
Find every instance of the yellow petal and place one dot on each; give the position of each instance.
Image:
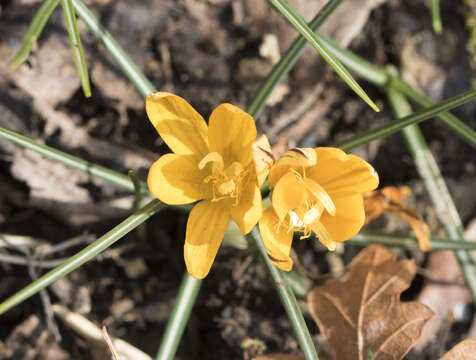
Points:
(277, 244)
(342, 174)
(288, 194)
(206, 227)
(348, 220)
(176, 179)
(320, 194)
(178, 124)
(292, 159)
(263, 158)
(249, 210)
(231, 133)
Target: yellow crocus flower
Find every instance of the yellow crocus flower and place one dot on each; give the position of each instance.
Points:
(211, 163)
(315, 191)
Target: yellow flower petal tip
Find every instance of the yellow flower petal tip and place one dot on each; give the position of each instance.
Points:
(315, 191)
(214, 163)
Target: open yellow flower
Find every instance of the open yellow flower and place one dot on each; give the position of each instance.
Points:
(315, 191)
(211, 163)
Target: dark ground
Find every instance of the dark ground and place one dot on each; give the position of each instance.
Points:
(208, 52)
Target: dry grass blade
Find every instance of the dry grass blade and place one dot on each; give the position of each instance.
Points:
(365, 309)
(465, 350)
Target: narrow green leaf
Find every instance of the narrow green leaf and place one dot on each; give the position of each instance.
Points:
(143, 85)
(71, 161)
(366, 70)
(288, 299)
(458, 127)
(435, 185)
(83, 256)
(368, 237)
(76, 46)
(300, 25)
(415, 118)
(287, 61)
(33, 31)
(435, 16)
(382, 77)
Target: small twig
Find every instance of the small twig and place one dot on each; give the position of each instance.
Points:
(29, 260)
(77, 240)
(93, 333)
(110, 344)
(21, 260)
(35, 250)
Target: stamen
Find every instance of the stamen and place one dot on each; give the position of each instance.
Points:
(295, 220)
(311, 215)
(324, 237)
(212, 157)
(320, 194)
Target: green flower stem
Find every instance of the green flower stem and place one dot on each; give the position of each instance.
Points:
(71, 161)
(414, 118)
(143, 85)
(435, 16)
(76, 46)
(368, 237)
(83, 256)
(287, 61)
(300, 25)
(34, 30)
(435, 185)
(288, 299)
(452, 122)
(186, 297)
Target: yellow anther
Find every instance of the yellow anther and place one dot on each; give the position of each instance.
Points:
(214, 158)
(311, 215)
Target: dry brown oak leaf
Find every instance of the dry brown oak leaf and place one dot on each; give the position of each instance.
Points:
(362, 316)
(465, 350)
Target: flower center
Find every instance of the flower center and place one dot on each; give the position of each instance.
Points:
(226, 182)
(306, 218)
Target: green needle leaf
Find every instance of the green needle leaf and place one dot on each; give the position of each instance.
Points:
(287, 61)
(83, 256)
(300, 24)
(71, 161)
(415, 118)
(368, 237)
(33, 31)
(76, 46)
(143, 85)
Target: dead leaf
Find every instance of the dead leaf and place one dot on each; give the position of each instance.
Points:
(362, 317)
(465, 350)
(48, 179)
(389, 200)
